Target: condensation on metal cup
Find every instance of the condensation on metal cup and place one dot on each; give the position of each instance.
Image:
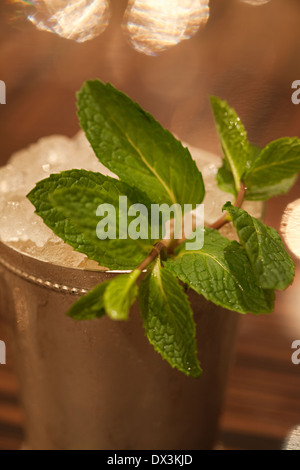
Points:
(100, 384)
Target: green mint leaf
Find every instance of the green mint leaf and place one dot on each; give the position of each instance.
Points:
(225, 177)
(233, 136)
(168, 320)
(278, 162)
(79, 205)
(271, 263)
(222, 273)
(264, 193)
(134, 146)
(75, 221)
(91, 305)
(120, 294)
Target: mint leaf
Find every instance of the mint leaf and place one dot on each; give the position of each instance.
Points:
(75, 221)
(132, 144)
(79, 205)
(91, 305)
(120, 294)
(113, 298)
(264, 193)
(222, 273)
(277, 164)
(168, 320)
(233, 136)
(225, 177)
(271, 263)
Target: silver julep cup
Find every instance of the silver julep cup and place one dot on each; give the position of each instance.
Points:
(100, 384)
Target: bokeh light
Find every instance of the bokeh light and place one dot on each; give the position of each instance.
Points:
(155, 25)
(290, 227)
(79, 20)
(255, 2)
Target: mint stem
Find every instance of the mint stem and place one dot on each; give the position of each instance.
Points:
(238, 202)
(170, 246)
(157, 248)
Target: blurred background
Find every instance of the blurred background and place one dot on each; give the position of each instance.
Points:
(246, 52)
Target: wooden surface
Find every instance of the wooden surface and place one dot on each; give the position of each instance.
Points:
(247, 55)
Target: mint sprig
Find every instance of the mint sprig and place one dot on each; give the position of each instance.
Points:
(154, 168)
(265, 172)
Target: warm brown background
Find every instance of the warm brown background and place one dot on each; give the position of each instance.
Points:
(247, 55)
